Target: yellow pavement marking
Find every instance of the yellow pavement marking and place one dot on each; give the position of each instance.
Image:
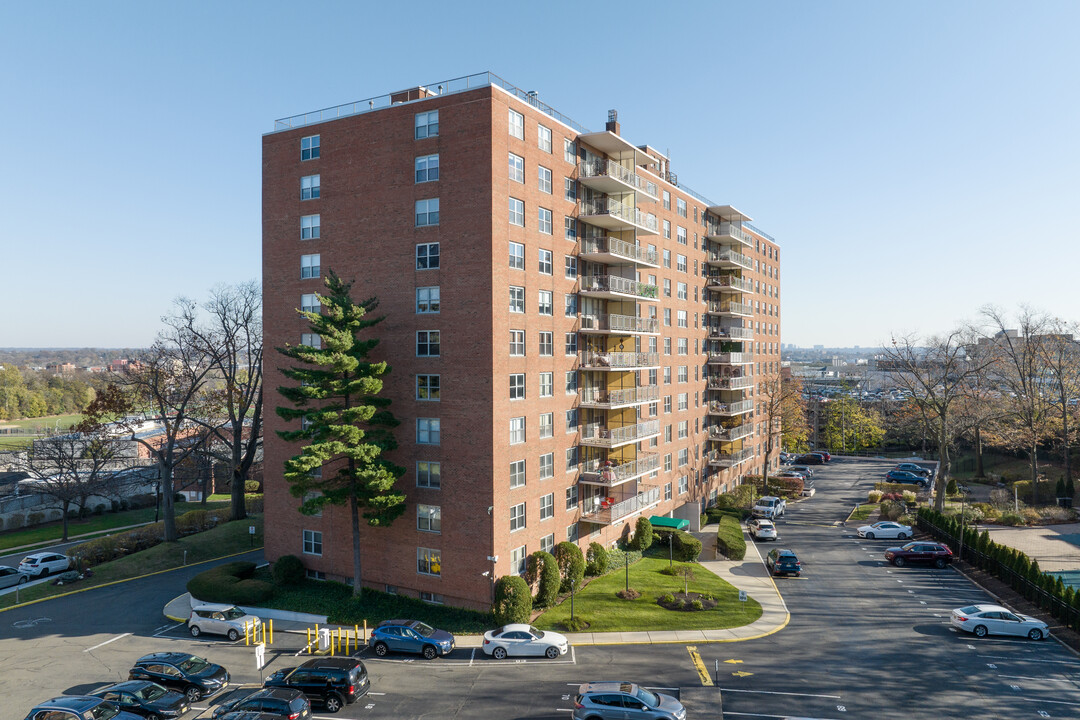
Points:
(733, 662)
(695, 657)
(741, 674)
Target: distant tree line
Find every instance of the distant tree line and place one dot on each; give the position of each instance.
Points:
(26, 393)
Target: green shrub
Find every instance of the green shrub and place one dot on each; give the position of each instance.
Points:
(696, 604)
(891, 487)
(1011, 518)
(891, 509)
(714, 514)
(35, 518)
(251, 486)
(513, 601)
(596, 560)
(874, 497)
(739, 497)
(666, 599)
(288, 570)
(643, 534)
(571, 565)
(909, 497)
(99, 509)
(685, 546)
(950, 487)
(230, 583)
(542, 571)
(1046, 491)
(575, 624)
(618, 558)
(196, 521)
(729, 539)
(142, 500)
(253, 504)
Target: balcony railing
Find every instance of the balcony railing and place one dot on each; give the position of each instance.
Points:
(617, 360)
(607, 168)
(722, 332)
(616, 284)
(719, 231)
(730, 358)
(597, 472)
(723, 434)
(715, 407)
(596, 436)
(603, 244)
(627, 396)
(607, 514)
(626, 213)
(619, 323)
(729, 459)
(722, 282)
(729, 257)
(730, 383)
(730, 307)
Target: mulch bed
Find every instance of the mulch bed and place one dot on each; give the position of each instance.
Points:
(683, 600)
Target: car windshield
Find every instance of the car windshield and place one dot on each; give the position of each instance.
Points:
(233, 614)
(104, 711)
(194, 665)
(423, 629)
(909, 546)
(536, 633)
(970, 609)
(647, 697)
(151, 692)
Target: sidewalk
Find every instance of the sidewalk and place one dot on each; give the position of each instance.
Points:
(71, 538)
(749, 575)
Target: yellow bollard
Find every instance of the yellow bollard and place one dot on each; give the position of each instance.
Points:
(308, 640)
(356, 636)
(271, 631)
(247, 632)
(365, 630)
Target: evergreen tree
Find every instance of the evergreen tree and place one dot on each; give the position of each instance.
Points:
(345, 426)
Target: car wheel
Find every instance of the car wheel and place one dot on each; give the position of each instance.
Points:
(430, 653)
(1035, 634)
(939, 563)
(195, 631)
(333, 703)
(234, 634)
(193, 694)
(152, 716)
(499, 653)
(899, 562)
(381, 649)
(921, 484)
(869, 536)
(23, 580)
(980, 631)
(44, 572)
(901, 536)
(552, 652)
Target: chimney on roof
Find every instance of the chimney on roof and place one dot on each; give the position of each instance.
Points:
(613, 121)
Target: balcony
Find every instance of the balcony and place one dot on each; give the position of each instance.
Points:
(606, 514)
(722, 332)
(729, 282)
(613, 251)
(593, 360)
(715, 407)
(614, 287)
(729, 258)
(618, 325)
(726, 232)
(613, 399)
(730, 383)
(614, 215)
(596, 436)
(722, 434)
(596, 472)
(612, 178)
(730, 307)
(728, 459)
(730, 358)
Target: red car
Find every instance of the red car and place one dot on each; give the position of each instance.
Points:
(933, 553)
(823, 453)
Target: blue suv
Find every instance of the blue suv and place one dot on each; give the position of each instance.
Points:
(410, 636)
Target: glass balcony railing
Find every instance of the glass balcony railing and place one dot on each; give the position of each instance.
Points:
(729, 257)
(619, 323)
(729, 282)
(724, 230)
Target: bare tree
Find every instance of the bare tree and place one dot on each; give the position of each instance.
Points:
(775, 396)
(1061, 358)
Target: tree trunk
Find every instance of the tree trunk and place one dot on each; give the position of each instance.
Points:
(1065, 435)
(354, 509)
(979, 470)
(168, 502)
(239, 509)
(1034, 474)
(64, 509)
(944, 468)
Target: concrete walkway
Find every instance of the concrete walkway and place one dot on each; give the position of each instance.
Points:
(748, 574)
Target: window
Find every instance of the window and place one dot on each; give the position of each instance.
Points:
(517, 124)
(547, 426)
(517, 299)
(311, 340)
(680, 319)
(427, 431)
(545, 262)
(684, 484)
(427, 387)
(427, 299)
(429, 518)
(680, 263)
(310, 266)
(517, 212)
(570, 268)
(570, 305)
(572, 420)
(684, 457)
(428, 561)
(667, 200)
(570, 228)
(430, 597)
(571, 382)
(427, 212)
(517, 256)
(547, 384)
(667, 491)
(544, 221)
(570, 189)
(572, 459)
(427, 343)
(517, 386)
(680, 207)
(427, 168)
(667, 258)
(545, 302)
(428, 474)
(517, 474)
(569, 151)
(667, 229)
(683, 374)
(309, 187)
(667, 342)
(571, 343)
(571, 497)
(547, 506)
(572, 533)
(517, 168)
(547, 466)
(517, 517)
(684, 429)
(667, 375)
(543, 138)
(312, 542)
(667, 433)
(309, 147)
(427, 256)
(680, 291)
(543, 179)
(667, 290)
(547, 543)
(667, 318)
(309, 303)
(667, 463)
(517, 342)
(680, 235)
(517, 560)
(427, 125)
(517, 430)
(684, 401)
(309, 227)
(547, 347)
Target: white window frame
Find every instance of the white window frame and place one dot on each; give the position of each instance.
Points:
(425, 125)
(310, 227)
(547, 506)
(426, 260)
(517, 430)
(426, 168)
(428, 518)
(428, 431)
(517, 343)
(310, 147)
(310, 266)
(516, 165)
(516, 124)
(516, 256)
(517, 517)
(427, 300)
(517, 299)
(430, 341)
(543, 138)
(312, 540)
(543, 179)
(429, 385)
(427, 212)
(517, 474)
(310, 187)
(517, 386)
(516, 209)
(544, 220)
(425, 477)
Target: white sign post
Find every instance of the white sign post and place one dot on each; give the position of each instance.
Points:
(742, 596)
(260, 656)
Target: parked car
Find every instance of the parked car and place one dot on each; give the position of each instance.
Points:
(43, 564)
(761, 529)
(809, 460)
(983, 620)
(192, 675)
(791, 474)
(620, 700)
(78, 707)
(145, 698)
(885, 529)
(915, 468)
(410, 636)
(823, 454)
(769, 506)
(218, 619)
(10, 576)
(783, 562)
(804, 469)
(906, 478)
(936, 554)
(521, 640)
(289, 703)
(332, 682)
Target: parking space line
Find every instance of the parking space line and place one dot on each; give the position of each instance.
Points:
(777, 692)
(1025, 677)
(764, 715)
(118, 637)
(167, 629)
(1008, 657)
(1055, 702)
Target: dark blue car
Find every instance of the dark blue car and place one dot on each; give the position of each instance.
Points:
(906, 478)
(410, 636)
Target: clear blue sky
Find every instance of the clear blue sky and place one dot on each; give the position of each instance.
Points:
(916, 160)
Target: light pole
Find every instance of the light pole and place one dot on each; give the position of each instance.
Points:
(670, 561)
(963, 498)
(572, 583)
(626, 559)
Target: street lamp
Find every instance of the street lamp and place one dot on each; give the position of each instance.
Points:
(963, 498)
(572, 583)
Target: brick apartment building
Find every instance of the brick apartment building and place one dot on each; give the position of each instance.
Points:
(575, 336)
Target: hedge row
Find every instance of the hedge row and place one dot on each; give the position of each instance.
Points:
(684, 546)
(230, 583)
(729, 538)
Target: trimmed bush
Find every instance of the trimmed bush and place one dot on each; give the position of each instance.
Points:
(542, 571)
(1047, 496)
(909, 497)
(288, 570)
(686, 547)
(739, 497)
(950, 487)
(667, 599)
(714, 514)
(729, 539)
(230, 583)
(643, 535)
(596, 560)
(891, 509)
(617, 558)
(696, 604)
(254, 504)
(513, 601)
(571, 565)
(251, 486)
(874, 497)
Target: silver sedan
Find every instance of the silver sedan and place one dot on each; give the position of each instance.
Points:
(885, 529)
(9, 577)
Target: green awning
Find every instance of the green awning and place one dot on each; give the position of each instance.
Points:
(669, 523)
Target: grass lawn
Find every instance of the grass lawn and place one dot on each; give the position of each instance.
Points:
(863, 512)
(606, 612)
(223, 540)
(50, 532)
(50, 422)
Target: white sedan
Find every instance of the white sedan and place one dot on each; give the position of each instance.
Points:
(983, 620)
(885, 529)
(521, 640)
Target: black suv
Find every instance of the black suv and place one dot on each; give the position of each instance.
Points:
(145, 698)
(332, 681)
(191, 675)
(284, 702)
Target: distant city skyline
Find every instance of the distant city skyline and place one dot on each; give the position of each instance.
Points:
(905, 157)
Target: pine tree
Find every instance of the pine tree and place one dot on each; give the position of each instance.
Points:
(345, 426)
